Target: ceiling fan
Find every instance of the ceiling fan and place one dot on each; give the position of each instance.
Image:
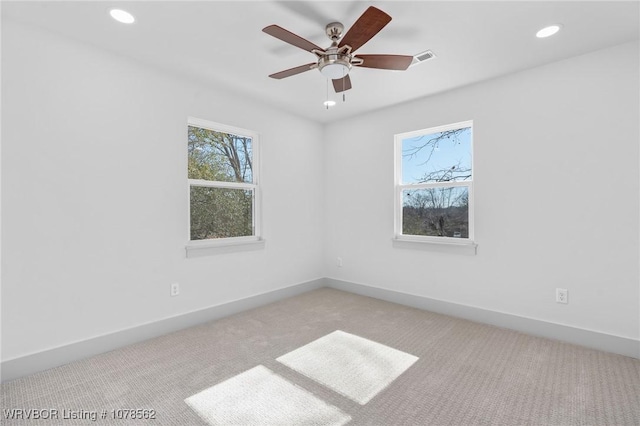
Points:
(336, 61)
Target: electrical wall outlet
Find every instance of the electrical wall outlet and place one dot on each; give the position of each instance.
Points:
(339, 262)
(562, 295)
(175, 289)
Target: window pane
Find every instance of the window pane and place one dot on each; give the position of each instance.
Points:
(436, 212)
(219, 156)
(437, 157)
(221, 213)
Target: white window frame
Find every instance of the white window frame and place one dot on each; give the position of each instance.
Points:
(399, 237)
(212, 246)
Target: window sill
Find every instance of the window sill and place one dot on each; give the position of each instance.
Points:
(466, 247)
(230, 245)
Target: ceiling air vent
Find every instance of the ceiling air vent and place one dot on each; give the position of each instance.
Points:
(422, 57)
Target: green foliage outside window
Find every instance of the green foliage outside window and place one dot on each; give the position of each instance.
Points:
(220, 212)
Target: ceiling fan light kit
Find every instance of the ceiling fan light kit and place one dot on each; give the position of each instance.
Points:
(334, 69)
(336, 61)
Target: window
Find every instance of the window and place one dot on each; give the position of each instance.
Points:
(434, 184)
(223, 184)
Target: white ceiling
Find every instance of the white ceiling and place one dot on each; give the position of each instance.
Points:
(221, 42)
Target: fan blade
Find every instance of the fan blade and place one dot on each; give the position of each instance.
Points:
(342, 84)
(293, 71)
(368, 24)
(386, 62)
(291, 38)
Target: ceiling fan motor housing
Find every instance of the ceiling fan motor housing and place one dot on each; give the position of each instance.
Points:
(335, 64)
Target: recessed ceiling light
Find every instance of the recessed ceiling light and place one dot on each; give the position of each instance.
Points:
(122, 16)
(548, 31)
(329, 103)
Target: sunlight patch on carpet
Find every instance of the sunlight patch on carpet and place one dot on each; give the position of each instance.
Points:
(260, 397)
(353, 366)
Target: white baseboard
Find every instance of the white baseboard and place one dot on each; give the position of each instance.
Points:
(33, 363)
(578, 336)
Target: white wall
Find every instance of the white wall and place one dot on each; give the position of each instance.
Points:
(95, 197)
(556, 192)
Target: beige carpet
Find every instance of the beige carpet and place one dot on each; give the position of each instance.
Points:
(350, 365)
(260, 397)
(466, 373)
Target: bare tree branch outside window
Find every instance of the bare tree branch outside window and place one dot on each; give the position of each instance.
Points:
(437, 158)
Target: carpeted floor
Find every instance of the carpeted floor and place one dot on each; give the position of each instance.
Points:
(466, 373)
